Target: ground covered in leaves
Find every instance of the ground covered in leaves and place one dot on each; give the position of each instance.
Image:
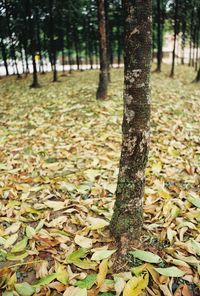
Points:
(59, 153)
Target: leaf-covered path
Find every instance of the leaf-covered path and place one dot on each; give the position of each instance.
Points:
(59, 153)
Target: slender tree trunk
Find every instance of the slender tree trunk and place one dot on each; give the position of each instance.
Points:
(4, 56)
(26, 60)
(183, 42)
(190, 53)
(76, 46)
(15, 62)
(96, 55)
(12, 47)
(197, 79)
(159, 37)
(69, 60)
(108, 39)
(77, 55)
(35, 83)
(153, 41)
(127, 220)
(119, 46)
(63, 60)
(90, 51)
(103, 76)
(191, 31)
(52, 41)
(13, 67)
(197, 52)
(175, 35)
(22, 60)
(194, 44)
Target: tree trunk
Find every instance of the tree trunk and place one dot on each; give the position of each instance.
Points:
(35, 83)
(191, 31)
(52, 41)
(175, 35)
(4, 56)
(90, 51)
(103, 76)
(22, 60)
(197, 51)
(108, 39)
(119, 46)
(127, 220)
(159, 37)
(63, 61)
(76, 41)
(96, 55)
(198, 76)
(194, 43)
(12, 47)
(183, 42)
(69, 60)
(26, 59)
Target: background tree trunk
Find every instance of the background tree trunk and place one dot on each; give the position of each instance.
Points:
(175, 35)
(4, 56)
(30, 4)
(108, 45)
(183, 42)
(197, 79)
(103, 76)
(52, 41)
(159, 37)
(127, 220)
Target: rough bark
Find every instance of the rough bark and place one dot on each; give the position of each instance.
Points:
(175, 35)
(127, 220)
(103, 76)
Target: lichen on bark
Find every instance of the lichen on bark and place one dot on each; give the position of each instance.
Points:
(126, 223)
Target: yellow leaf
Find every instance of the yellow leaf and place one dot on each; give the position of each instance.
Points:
(155, 275)
(162, 191)
(83, 242)
(156, 167)
(11, 281)
(13, 228)
(135, 286)
(62, 274)
(96, 223)
(119, 285)
(173, 152)
(10, 241)
(103, 269)
(139, 269)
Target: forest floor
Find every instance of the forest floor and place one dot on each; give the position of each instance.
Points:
(59, 154)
